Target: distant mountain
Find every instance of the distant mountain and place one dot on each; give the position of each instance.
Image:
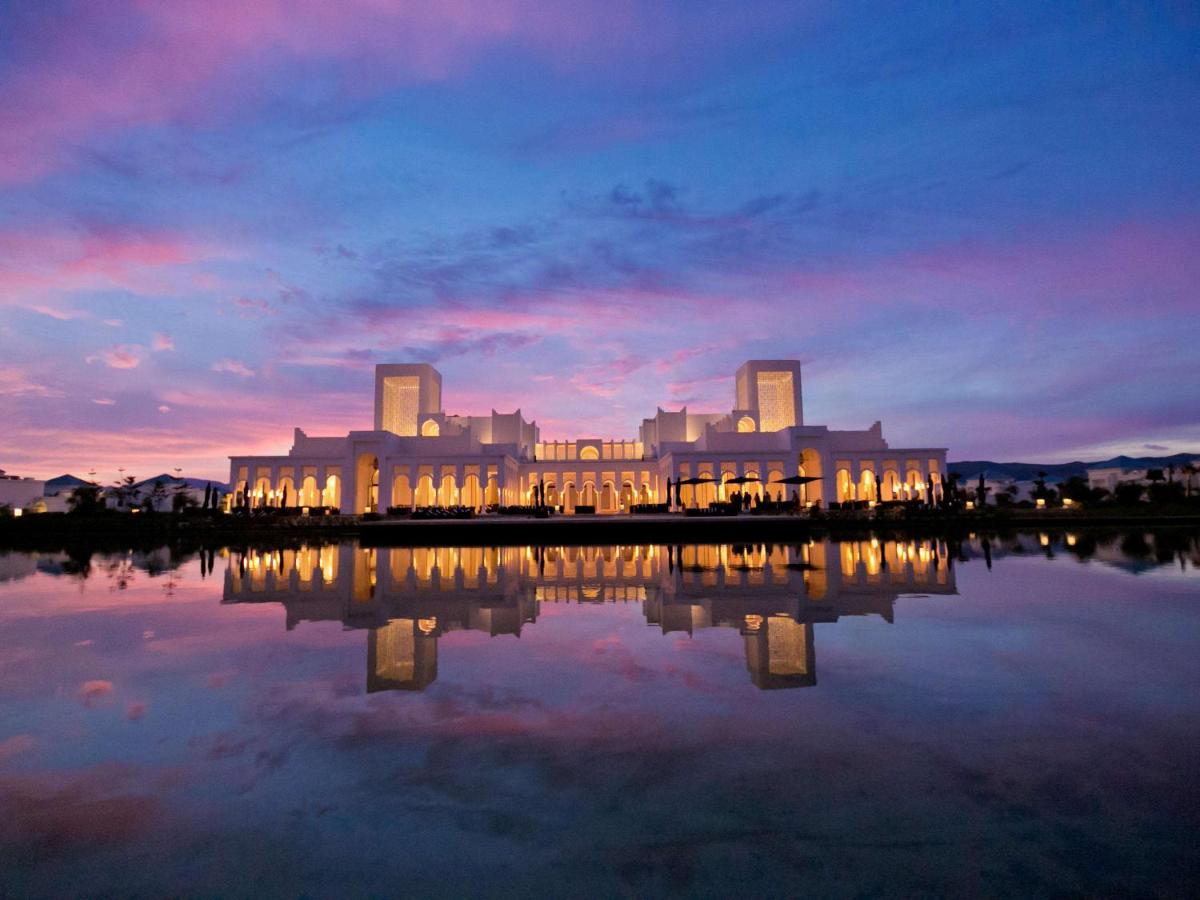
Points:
(1018, 471)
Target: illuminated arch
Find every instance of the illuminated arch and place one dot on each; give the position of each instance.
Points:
(430, 428)
(366, 484)
(402, 494)
(746, 424)
(332, 495)
(589, 453)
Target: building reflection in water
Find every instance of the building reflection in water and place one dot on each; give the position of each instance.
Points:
(408, 597)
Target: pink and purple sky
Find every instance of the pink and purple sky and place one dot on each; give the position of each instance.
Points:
(216, 216)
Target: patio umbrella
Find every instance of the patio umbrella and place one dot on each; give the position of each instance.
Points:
(743, 479)
(694, 481)
(797, 479)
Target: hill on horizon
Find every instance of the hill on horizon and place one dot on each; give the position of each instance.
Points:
(1022, 471)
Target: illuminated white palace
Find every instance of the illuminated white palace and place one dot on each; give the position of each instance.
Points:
(417, 455)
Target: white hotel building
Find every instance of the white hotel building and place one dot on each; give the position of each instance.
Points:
(417, 455)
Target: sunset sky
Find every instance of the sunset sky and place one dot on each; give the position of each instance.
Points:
(216, 216)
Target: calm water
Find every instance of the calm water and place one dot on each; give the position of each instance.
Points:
(825, 719)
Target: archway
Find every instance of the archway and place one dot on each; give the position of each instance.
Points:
(287, 492)
(627, 496)
(891, 485)
(309, 495)
(810, 466)
(608, 498)
(753, 488)
(587, 496)
(746, 424)
(915, 484)
(448, 491)
(866, 485)
(845, 485)
(262, 492)
(402, 495)
(491, 495)
(430, 428)
(570, 497)
(472, 496)
(366, 484)
(425, 495)
(332, 495)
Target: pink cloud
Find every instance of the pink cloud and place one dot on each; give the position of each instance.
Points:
(162, 341)
(15, 383)
(36, 263)
(123, 356)
(91, 691)
(233, 367)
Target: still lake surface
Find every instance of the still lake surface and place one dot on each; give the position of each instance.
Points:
(1012, 716)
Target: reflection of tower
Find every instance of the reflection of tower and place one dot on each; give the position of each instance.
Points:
(401, 656)
(779, 652)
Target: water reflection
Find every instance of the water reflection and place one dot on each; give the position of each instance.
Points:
(407, 598)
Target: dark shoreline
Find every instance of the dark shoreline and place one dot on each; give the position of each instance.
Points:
(50, 531)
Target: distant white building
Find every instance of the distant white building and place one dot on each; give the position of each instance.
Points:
(25, 494)
(416, 455)
(1109, 478)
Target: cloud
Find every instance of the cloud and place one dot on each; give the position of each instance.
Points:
(92, 691)
(17, 744)
(37, 263)
(210, 62)
(104, 401)
(15, 383)
(162, 341)
(163, 408)
(123, 356)
(233, 367)
(1159, 447)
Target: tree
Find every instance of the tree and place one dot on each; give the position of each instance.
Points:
(981, 492)
(1077, 490)
(182, 496)
(84, 500)
(1155, 475)
(951, 491)
(158, 495)
(1189, 471)
(1170, 492)
(123, 490)
(1128, 493)
(1041, 491)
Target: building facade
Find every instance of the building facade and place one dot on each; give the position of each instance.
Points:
(418, 456)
